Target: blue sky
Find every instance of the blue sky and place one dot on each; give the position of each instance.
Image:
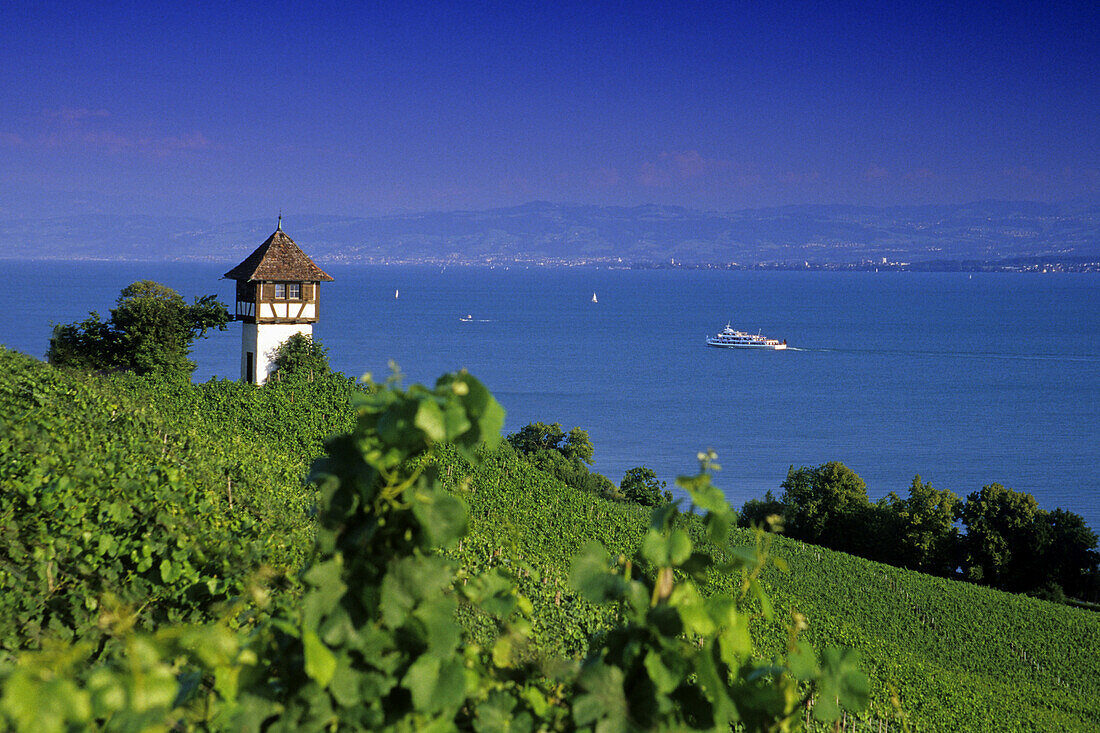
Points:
(234, 110)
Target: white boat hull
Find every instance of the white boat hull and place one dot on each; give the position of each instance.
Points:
(766, 347)
(731, 338)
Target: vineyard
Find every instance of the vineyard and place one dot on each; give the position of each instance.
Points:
(163, 496)
(958, 656)
(177, 500)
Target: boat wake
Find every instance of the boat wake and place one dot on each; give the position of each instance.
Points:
(1085, 358)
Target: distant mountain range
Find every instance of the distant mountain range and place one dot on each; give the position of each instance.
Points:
(563, 233)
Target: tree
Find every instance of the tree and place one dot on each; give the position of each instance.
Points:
(928, 537)
(150, 331)
(578, 446)
(641, 486)
(301, 356)
(1010, 543)
(90, 345)
(766, 513)
(566, 457)
(1014, 545)
(1071, 558)
(820, 504)
(1006, 533)
(554, 463)
(537, 436)
(597, 483)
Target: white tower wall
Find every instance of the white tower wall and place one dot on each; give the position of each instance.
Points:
(262, 340)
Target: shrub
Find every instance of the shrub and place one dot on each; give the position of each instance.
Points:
(641, 486)
(301, 356)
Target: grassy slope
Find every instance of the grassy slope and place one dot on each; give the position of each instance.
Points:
(104, 479)
(954, 652)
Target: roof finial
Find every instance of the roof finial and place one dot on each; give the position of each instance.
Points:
(279, 228)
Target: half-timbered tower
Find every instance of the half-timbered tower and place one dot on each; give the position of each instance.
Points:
(276, 298)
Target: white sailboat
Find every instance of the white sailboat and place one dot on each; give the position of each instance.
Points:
(594, 298)
(396, 294)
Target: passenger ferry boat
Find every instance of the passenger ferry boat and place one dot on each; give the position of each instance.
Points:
(732, 339)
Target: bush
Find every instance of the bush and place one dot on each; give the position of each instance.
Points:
(766, 513)
(566, 457)
(302, 357)
(641, 486)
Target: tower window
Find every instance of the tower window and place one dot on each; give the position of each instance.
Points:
(280, 291)
(294, 291)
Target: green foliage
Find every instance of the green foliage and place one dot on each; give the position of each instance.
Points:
(150, 331)
(819, 498)
(301, 357)
(564, 456)
(537, 436)
(526, 519)
(957, 656)
(642, 486)
(374, 642)
(1011, 543)
(766, 513)
(1002, 535)
(1071, 559)
(578, 446)
(88, 345)
(927, 538)
(825, 505)
(166, 498)
(682, 660)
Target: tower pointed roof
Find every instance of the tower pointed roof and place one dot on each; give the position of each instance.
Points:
(278, 258)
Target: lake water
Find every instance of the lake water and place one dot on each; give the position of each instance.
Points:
(964, 380)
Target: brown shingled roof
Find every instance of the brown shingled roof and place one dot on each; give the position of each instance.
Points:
(279, 258)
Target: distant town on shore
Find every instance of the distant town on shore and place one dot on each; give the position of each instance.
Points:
(989, 236)
(1043, 265)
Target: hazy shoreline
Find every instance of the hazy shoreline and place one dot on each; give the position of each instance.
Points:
(1038, 265)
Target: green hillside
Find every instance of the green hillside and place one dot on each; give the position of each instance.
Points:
(170, 497)
(960, 656)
